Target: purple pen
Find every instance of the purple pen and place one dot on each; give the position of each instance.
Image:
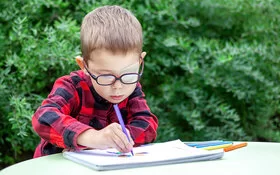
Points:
(119, 115)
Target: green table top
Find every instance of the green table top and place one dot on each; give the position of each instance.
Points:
(258, 158)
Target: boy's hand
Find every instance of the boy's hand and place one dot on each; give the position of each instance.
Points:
(111, 136)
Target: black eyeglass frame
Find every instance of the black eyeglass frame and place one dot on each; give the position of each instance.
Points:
(117, 78)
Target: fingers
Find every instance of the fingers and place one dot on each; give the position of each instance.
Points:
(116, 138)
(130, 138)
(121, 140)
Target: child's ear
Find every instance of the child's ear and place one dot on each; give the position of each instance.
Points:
(143, 54)
(80, 62)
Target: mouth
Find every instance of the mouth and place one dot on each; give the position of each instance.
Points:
(116, 97)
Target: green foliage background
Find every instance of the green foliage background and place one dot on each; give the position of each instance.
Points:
(212, 69)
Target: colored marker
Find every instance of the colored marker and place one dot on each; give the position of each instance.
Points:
(202, 142)
(233, 147)
(201, 145)
(217, 147)
(119, 115)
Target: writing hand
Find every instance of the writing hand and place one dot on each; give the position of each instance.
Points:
(111, 136)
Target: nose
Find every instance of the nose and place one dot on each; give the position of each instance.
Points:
(118, 84)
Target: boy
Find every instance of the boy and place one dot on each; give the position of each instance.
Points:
(78, 113)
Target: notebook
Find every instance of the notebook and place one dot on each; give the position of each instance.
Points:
(147, 155)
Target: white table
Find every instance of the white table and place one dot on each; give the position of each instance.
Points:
(258, 158)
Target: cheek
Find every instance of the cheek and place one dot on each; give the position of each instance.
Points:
(101, 90)
(104, 92)
(130, 88)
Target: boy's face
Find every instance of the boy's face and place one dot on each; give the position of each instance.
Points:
(104, 62)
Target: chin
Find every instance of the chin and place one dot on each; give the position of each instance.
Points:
(115, 101)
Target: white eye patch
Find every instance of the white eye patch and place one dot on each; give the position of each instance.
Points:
(134, 68)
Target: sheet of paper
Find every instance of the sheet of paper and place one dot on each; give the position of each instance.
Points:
(151, 153)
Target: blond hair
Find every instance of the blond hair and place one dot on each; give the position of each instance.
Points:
(112, 28)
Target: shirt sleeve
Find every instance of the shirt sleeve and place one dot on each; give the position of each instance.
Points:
(142, 124)
(53, 121)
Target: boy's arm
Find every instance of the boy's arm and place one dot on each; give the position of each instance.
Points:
(142, 124)
(52, 120)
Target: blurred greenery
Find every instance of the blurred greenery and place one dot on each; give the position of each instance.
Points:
(212, 69)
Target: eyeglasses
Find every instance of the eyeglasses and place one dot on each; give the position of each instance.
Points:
(109, 79)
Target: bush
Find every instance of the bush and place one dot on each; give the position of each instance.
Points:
(214, 65)
(211, 71)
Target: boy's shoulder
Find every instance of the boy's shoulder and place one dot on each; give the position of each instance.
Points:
(76, 78)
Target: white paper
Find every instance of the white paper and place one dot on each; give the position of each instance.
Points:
(160, 153)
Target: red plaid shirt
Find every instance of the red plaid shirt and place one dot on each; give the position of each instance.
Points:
(73, 106)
